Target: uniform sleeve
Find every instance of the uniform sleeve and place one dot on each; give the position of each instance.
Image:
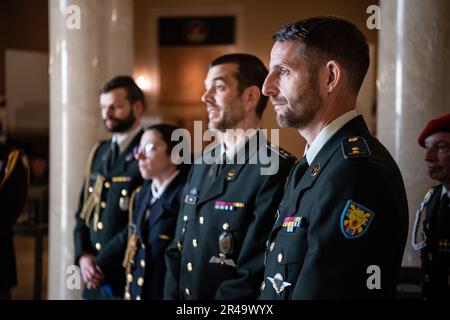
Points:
(113, 253)
(81, 232)
(340, 267)
(173, 260)
(250, 263)
(14, 187)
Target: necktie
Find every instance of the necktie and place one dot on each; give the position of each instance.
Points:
(221, 164)
(114, 155)
(300, 171)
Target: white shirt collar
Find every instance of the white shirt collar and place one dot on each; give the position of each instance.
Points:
(445, 191)
(326, 133)
(123, 139)
(237, 146)
(157, 193)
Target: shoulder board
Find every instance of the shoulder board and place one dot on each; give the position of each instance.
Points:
(283, 153)
(355, 147)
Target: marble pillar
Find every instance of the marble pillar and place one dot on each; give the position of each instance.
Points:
(413, 88)
(90, 42)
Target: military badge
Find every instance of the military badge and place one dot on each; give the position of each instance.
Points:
(226, 243)
(290, 223)
(355, 220)
(225, 247)
(190, 199)
(227, 205)
(278, 283)
(124, 202)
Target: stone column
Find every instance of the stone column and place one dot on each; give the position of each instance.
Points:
(84, 54)
(414, 87)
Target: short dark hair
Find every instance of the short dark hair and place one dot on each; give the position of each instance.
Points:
(251, 72)
(333, 38)
(134, 93)
(165, 131)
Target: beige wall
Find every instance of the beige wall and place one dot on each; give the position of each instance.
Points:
(261, 19)
(23, 25)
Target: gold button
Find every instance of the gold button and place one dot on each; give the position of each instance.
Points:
(202, 220)
(189, 267)
(100, 226)
(272, 245)
(124, 192)
(140, 281)
(127, 296)
(107, 185)
(183, 230)
(103, 204)
(280, 257)
(142, 246)
(430, 256)
(187, 291)
(194, 243)
(226, 226)
(142, 262)
(98, 246)
(130, 277)
(138, 297)
(90, 189)
(185, 218)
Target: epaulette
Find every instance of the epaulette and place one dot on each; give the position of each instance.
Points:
(283, 153)
(355, 147)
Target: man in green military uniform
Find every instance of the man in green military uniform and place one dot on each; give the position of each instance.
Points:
(228, 207)
(111, 175)
(14, 178)
(342, 224)
(431, 233)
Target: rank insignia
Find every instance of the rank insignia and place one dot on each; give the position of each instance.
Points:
(228, 205)
(355, 220)
(290, 223)
(190, 199)
(278, 283)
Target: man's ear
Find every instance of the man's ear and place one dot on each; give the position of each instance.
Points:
(334, 75)
(138, 108)
(251, 97)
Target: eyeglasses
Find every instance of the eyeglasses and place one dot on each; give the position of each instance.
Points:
(144, 151)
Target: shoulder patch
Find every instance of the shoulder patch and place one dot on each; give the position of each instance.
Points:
(355, 147)
(355, 220)
(283, 153)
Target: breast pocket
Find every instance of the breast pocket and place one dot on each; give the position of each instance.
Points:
(290, 253)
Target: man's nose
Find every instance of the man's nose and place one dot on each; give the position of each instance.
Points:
(269, 88)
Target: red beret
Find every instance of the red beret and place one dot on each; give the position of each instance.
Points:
(441, 124)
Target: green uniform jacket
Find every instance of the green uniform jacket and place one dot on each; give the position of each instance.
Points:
(14, 177)
(342, 226)
(102, 215)
(224, 222)
(435, 255)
